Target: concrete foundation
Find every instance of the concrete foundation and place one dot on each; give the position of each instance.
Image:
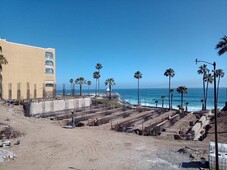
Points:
(199, 127)
(58, 105)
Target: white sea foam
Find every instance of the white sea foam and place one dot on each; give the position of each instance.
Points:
(190, 108)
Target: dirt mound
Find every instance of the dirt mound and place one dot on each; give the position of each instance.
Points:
(222, 124)
(221, 128)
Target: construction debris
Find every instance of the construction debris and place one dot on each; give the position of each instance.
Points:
(6, 155)
(196, 156)
(4, 143)
(8, 133)
(93, 122)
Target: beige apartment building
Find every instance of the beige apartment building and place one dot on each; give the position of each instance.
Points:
(30, 72)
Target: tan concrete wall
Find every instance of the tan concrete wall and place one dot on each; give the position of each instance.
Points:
(26, 64)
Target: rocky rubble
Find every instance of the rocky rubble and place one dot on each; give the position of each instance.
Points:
(6, 155)
(182, 158)
(7, 132)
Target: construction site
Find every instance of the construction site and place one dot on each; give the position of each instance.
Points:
(124, 117)
(89, 129)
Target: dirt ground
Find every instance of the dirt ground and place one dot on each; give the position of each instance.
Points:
(221, 128)
(48, 146)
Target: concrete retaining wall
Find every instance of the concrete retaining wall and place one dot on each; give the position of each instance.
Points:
(58, 105)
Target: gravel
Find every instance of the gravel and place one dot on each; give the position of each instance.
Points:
(6, 155)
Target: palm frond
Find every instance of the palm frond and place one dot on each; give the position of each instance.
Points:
(222, 45)
(3, 60)
(222, 51)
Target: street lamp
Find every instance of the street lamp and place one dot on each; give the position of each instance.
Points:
(215, 110)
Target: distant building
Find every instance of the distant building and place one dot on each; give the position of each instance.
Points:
(30, 72)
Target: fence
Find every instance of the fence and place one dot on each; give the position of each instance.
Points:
(222, 156)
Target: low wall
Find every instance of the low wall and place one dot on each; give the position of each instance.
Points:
(58, 105)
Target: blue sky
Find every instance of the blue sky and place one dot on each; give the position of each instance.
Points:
(123, 35)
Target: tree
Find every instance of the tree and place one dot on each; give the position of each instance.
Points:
(182, 90)
(80, 81)
(222, 46)
(138, 75)
(96, 76)
(220, 74)
(171, 98)
(98, 67)
(111, 83)
(88, 83)
(71, 82)
(169, 73)
(163, 98)
(3, 61)
(203, 70)
(208, 79)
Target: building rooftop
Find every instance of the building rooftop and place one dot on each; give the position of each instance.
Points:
(1, 39)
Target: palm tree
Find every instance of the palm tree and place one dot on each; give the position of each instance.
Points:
(88, 83)
(169, 73)
(96, 76)
(208, 79)
(111, 83)
(182, 90)
(73, 89)
(80, 81)
(163, 98)
(71, 82)
(63, 91)
(3, 61)
(220, 74)
(186, 103)
(171, 98)
(222, 46)
(98, 67)
(138, 75)
(203, 70)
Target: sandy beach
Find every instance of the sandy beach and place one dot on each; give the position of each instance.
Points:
(46, 145)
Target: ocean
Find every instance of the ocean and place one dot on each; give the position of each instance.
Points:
(149, 96)
(193, 97)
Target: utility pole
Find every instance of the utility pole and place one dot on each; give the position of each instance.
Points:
(215, 111)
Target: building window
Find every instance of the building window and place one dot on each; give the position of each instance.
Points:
(49, 55)
(49, 63)
(49, 85)
(49, 71)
